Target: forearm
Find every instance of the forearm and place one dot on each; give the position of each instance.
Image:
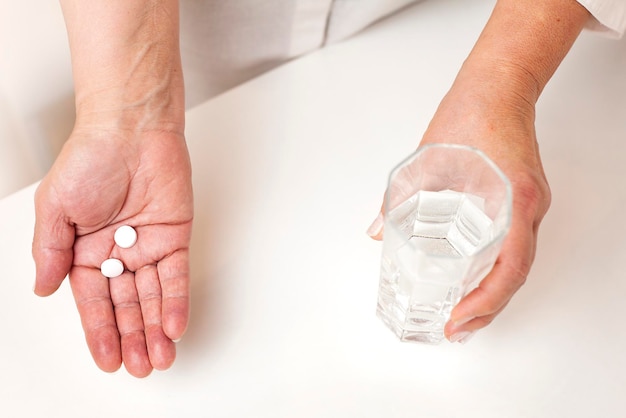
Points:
(126, 63)
(524, 42)
(496, 89)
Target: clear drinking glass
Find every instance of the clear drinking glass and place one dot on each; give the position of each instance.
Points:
(447, 211)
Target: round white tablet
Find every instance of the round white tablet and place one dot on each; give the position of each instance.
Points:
(125, 236)
(112, 268)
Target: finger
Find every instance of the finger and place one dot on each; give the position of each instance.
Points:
(161, 349)
(498, 287)
(375, 230)
(52, 243)
(93, 300)
(462, 332)
(130, 324)
(493, 292)
(173, 273)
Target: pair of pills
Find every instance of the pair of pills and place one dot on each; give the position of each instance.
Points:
(125, 237)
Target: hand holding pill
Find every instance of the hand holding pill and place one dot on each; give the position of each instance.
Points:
(124, 245)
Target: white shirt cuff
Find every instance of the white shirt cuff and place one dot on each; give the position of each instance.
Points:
(608, 16)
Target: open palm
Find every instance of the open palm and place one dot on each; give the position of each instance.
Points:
(103, 180)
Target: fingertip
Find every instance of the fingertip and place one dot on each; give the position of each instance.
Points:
(161, 349)
(135, 355)
(37, 290)
(175, 285)
(375, 230)
(459, 336)
(109, 367)
(455, 327)
(175, 325)
(462, 337)
(138, 369)
(105, 349)
(459, 321)
(47, 285)
(140, 374)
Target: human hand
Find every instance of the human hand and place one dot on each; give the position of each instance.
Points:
(126, 162)
(104, 179)
(491, 106)
(474, 114)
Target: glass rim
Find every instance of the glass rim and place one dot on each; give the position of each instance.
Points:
(508, 192)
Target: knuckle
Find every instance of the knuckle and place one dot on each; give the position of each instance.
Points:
(518, 279)
(532, 195)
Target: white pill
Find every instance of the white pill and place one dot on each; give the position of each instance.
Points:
(125, 236)
(111, 268)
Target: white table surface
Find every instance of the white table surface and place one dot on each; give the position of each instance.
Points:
(289, 171)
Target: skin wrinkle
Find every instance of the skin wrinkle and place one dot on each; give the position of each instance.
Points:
(126, 304)
(150, 325)
(112, 254)
(139, 332)
(57, 231)
(93, 329)
(166, 278)
(149, 297)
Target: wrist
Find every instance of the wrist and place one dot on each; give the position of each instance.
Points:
(137, 105)
(486, 106)
(524, 42)
(498, 81)
(126, 63)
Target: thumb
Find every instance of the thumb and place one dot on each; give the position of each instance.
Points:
(53, 243)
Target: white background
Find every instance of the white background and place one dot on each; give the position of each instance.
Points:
(289, 170)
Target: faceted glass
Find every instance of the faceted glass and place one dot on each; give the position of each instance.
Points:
(447, 211)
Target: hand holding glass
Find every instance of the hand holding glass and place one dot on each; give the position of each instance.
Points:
(447, 211)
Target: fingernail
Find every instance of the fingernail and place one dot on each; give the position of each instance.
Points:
(462, 321)
(376, 226)
(177, 340)
(459, 336)
(465, 339)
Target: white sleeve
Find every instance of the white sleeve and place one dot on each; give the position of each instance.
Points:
(609, 16)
